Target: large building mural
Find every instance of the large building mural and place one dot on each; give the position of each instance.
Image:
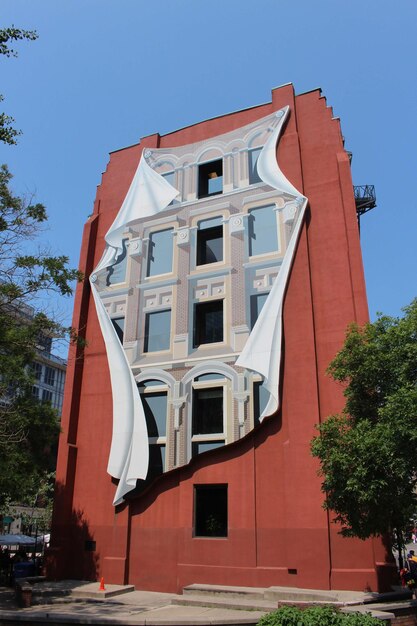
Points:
(224, 266)
(198, 256)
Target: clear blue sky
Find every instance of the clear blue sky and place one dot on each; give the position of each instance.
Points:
(104, 73)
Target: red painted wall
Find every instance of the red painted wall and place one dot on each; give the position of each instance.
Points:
(279, 533)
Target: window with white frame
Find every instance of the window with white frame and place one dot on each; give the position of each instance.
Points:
(263, 231)
(160, 251)
(208, 322)
(210, 241)
(154, 396)
(210, 178)
(253, 156)
(157, 331)
(208, 413)
(116, 273)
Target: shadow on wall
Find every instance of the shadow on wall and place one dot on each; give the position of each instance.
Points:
(72, 552)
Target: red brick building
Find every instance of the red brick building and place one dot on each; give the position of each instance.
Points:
(253, 211)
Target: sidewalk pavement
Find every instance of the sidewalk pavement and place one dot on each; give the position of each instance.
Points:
(77, 602)
(133, 608)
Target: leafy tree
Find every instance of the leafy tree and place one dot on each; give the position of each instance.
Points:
(28, 429)
(368, 454)
(8, 134)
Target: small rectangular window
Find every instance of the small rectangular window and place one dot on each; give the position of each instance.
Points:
(253, 166)
(116, 273)
(157, 331)
(160, 253)
(208, 322)
(210, 511)
(210, 179)
(257, 302)
(35, 392)
(263, 236)
(210, 241)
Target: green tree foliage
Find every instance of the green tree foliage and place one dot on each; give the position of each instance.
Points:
(368, 454)
(8, 134)
(316, 616)
(28, 429)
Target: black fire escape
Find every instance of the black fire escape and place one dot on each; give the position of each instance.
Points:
(365, 200)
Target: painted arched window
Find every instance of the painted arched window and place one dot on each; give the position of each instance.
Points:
(154, 396)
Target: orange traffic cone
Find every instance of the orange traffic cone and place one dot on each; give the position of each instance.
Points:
(102, 587)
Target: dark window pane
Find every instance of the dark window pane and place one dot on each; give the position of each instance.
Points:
(49, 376)
(210, 178)
(262, 231)
(156, 460)
(155, 408)
(119, 327)
(116, 273)
(210, 510)
(160, 253)
(260, 400)
(46, 395)
(208, 322)
(37, 370)
(256, 304)
(253, 170)
(207, 411)
(210, 244)
(157, 331)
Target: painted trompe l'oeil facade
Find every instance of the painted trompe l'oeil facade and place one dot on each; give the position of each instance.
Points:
(224, 266)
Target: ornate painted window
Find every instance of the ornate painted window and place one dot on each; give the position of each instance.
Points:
(208, 413)
(208, 322)
(263, 233)
(116, 273)
(154, 395)
(253, 170)
(210, 178)
(160, 252)
(210, 241)
(157, 331)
